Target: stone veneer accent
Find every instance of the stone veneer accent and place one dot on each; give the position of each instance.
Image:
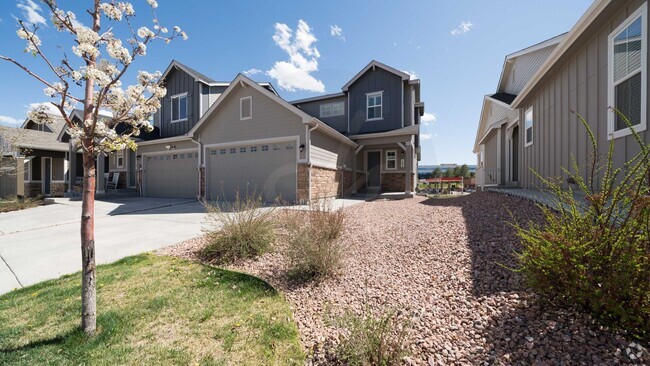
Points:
(33, 189)
(327, 183)
(393, 182)
(302, 188)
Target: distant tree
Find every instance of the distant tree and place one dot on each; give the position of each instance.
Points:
(464, 171)
(437, 172)
(472, 174)
(456, 172)
(449, 173)
(425, 175)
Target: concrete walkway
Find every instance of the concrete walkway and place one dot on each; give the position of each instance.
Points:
(43, 243)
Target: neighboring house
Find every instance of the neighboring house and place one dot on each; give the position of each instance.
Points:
(40, 158)
(217, 139)
(601, 62)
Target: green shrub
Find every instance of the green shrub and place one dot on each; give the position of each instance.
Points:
(368, 339)
(238, 230)
(594, 252)
(314, 248)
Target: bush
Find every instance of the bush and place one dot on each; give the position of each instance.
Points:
(594, 253)
(314, 249)
(238, 230)
(372, 340)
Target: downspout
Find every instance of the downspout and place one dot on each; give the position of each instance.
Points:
(198, 143)
(308, 149)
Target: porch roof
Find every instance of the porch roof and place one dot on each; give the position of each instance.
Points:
(404, 131)
(32, 139)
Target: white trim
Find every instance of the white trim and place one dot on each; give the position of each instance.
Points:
(402, 90)
(43, 158)
(171, 108)
(410, 130)
(381, 106)
(241, 108)
(320, 97)
(499, 153)
(373, 64)
(641, 13)
(532, 126)
(386, 160)
(163, 140)
(117, 159)
(331, 105)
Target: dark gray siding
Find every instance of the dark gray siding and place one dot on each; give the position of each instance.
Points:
(374, 81)
(179, 82)
(409, 104)
(580, 85)
(339, 123)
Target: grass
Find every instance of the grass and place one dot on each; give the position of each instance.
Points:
(14, 204)
(151, 310)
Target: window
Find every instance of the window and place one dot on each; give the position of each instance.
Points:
(179, 107)
(213, 152)
(175, 156)
(222, 151)
(391, 160)
(628, 74)
(182, 156)
(276, 147)
(265, 147)
(233, 150)
(529, 126)
(374, 106)
(332, 109)
(189, 155)
(253, 148)
(242, 149)
(119, 159)
(246, 108)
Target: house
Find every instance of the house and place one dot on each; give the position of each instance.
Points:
(39, 158)
(218, 139)
(601, 62)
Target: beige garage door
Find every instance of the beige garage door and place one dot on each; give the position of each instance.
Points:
(266, 169)
(172, 175)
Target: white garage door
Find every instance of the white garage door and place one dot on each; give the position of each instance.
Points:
(173, 175)
(265, 169)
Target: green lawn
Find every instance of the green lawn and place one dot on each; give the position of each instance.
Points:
(151, 310)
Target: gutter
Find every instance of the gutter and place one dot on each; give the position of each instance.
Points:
(200, 149)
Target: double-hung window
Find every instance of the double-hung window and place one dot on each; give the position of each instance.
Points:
(119, 158)
(529, 126)
(391, 160)
(246, 108)
(332, 109)
(628, 68)
(374, 103)
(179, 107)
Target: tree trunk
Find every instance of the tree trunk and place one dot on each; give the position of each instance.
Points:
(88, 272)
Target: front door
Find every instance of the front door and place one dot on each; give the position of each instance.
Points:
(374, 166)
(47, 176)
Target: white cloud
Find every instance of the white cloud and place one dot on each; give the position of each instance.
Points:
(336, 31)
(295, 74)
(251, 72)
(464, 27)
(412, 74)
(425, 136)
(31, 12)
(10, 121)
(428, 118)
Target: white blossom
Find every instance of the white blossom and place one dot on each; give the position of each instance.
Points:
(184, 36)
(145, 32)
(142, 49)
(177, 29)
(86, 35)
(76, 75)
(127, 8)
(39, 114)
(32, 40)
(153, 3)
(111, 11)
(117, 51)
(85, 49)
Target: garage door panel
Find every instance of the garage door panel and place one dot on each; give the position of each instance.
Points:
(266, 169)
(172, 175)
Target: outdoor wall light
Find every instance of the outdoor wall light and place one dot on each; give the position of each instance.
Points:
(170, 147)
(301, 147)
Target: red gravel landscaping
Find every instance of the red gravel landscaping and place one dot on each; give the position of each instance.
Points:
(442, 263)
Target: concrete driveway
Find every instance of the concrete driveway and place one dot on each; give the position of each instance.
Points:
(43, 243)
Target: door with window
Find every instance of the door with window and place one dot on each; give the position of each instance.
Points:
(374, 169)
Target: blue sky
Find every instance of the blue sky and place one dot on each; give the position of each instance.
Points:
(456, 48)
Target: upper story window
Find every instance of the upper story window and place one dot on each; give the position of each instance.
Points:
(529, 126)
(179, 107)
(391, 160)
(628, 69)
(246, 108)
(374, 102)
(332, 109)
(119, 159)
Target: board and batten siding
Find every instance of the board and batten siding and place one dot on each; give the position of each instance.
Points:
(375, 81)
(580, 85)
(269, 120)
(339, 123)
(178, 82)
(523, 69)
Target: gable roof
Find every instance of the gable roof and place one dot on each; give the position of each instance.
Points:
(594, 11)
(32, 139)
(373, 64)
(195, 74)
(242, 79)
(504, 97)
(57, 124)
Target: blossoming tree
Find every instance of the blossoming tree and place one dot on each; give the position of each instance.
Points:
(94, 79)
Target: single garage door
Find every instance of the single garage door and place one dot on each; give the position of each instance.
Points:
(172, 175)
(266, 169)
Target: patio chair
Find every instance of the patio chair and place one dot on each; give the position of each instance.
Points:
(112, 184)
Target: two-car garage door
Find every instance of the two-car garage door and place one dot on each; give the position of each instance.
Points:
(268, 169)
(173, 175)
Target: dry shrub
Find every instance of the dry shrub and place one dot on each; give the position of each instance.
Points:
(314, 249)
(238, 230)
